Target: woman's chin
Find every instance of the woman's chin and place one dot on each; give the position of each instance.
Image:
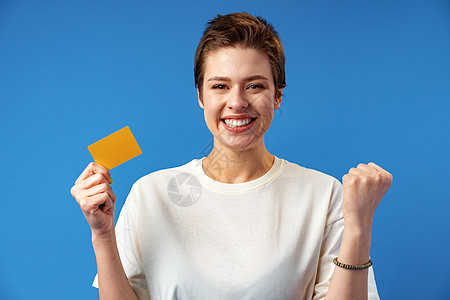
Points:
(239, 145)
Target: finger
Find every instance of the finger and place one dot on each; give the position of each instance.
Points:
(380, 169)
(74, 191)
(107, 205)
(365, 167)
(100, 189)
(105, 202)
(111, 194)
(93, 168)
(90, 204)
(93, 180)
(376, 167)
(85, 174)
(99, 203)
(82, 189)
(96, 189)
(357, 171)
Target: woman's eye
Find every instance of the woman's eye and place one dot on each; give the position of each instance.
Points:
(219, 86)
(256, 86)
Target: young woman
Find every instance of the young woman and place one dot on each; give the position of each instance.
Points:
(240, 223)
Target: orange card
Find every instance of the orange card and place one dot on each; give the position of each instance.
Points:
(115, 149)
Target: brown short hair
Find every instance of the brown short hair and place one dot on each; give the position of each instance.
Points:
(244, 30)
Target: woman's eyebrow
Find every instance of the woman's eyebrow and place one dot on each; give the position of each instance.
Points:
(219, 78)
(254, 77)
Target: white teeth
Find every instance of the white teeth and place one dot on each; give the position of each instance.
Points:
(237, 123)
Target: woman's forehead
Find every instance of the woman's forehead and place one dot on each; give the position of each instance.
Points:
(237, 62)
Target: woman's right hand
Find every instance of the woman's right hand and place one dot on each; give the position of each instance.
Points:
(96, 199)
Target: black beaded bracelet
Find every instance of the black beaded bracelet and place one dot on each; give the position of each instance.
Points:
(352, 267)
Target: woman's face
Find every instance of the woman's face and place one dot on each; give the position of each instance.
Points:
(238, 97)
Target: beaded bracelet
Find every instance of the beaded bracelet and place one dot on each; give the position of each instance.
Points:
(352, 267)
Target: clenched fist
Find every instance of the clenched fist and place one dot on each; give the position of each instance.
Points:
(364, 187)
(96, 198)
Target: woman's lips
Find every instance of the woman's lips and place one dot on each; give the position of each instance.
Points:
(237, 124)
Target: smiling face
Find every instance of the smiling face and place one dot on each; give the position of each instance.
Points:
(238, 97)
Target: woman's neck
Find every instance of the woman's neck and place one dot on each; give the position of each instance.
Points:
(237, 166)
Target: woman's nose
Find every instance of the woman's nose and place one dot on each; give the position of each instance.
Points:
(237, 99)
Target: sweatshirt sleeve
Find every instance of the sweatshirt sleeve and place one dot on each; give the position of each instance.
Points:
(128, 244)
(331, 243)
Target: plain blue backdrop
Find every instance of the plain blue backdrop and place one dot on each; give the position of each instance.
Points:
(367, 81)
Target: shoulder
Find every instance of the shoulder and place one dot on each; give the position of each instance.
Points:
(318, 191)
(308, 175)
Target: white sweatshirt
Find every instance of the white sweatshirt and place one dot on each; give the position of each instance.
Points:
(182, 235)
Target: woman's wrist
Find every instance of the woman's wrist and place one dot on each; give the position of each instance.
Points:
(105, 239)
(355, 246)
(358, 224)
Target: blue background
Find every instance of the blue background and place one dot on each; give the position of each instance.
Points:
(366, 82)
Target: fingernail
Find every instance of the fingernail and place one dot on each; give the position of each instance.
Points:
(110, 180)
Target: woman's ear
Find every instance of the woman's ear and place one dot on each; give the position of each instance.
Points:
(199, 98)
(278, 99)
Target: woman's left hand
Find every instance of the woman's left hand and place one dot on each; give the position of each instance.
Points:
(364, 187)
